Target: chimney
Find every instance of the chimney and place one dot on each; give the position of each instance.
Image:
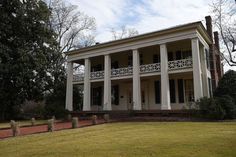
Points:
(209, 26)
(216, 39)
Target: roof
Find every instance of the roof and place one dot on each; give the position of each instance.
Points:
(197, 25)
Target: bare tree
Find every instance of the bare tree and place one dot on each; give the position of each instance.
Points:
(73, 28)
(124, 32)
(224, 17)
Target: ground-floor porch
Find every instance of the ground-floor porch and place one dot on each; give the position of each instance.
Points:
(180, 93)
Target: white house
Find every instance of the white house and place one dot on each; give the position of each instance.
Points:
(161, 70)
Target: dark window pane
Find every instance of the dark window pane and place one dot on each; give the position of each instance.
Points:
(130, 60)
(157, 92)
(97, 96)
(115, 95)
(186, 54)
(178, 55)
(156, 58)
(97, 67)
(181, 91)
(210, 87)
(141, 59)
(172, 91)
(170, 56)
(114, 65)
(207, 58)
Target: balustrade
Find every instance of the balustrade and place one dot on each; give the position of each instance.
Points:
(122, 72)
(147, 68)
(180, 64)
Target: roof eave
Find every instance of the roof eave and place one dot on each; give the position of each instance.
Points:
(197, 25)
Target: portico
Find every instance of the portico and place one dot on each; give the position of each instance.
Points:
(162, 70)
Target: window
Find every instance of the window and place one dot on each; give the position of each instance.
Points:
(172, 91)
(156, 58)
(210, 87)
(207, 58)
(143, 96)
(130, 60)
(114, 65)
(186, 54)
(183, 54)
(97, 96)
(189, 96)
(115, 95)
(157, 92)
(170, 56)
(181, 90)
(178, 55)
(141, 59)
(97, 67)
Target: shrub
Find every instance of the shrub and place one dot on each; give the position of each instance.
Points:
(227, 85)
(94, 120)
(15, 128)
(55, 110)
(227, 103)
(209, 108)
(106, 118)
(32, 121)
(50, 125)
(75, 123)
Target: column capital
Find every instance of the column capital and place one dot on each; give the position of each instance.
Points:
(162, 43)
(195, 39)
(107, 54)
(135, 49)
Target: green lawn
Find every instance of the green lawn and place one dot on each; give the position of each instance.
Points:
(22, 123)
(157, 139)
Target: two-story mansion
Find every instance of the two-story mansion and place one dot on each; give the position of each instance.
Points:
(161, 70)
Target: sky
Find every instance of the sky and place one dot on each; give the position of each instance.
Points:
(143, 15)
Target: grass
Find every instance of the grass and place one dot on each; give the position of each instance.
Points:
(23, 123)
(157, 139)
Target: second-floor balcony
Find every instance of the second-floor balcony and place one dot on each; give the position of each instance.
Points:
(144, 69)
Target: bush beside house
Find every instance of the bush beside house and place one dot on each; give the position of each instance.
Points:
(223, 104)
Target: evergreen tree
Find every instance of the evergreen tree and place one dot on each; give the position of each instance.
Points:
(27, 56)
(227, 85)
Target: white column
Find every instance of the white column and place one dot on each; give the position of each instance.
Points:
(165, 90)
(136, 82)
(107, 83)
(69, 87)
(205, 85)
(87, 86)
(197, 79)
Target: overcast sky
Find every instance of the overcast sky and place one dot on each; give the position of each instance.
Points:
(143, 15)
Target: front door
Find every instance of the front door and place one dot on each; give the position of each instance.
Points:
(97, 97)
(144, 98)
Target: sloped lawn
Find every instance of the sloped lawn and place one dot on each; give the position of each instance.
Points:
(157, 139)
